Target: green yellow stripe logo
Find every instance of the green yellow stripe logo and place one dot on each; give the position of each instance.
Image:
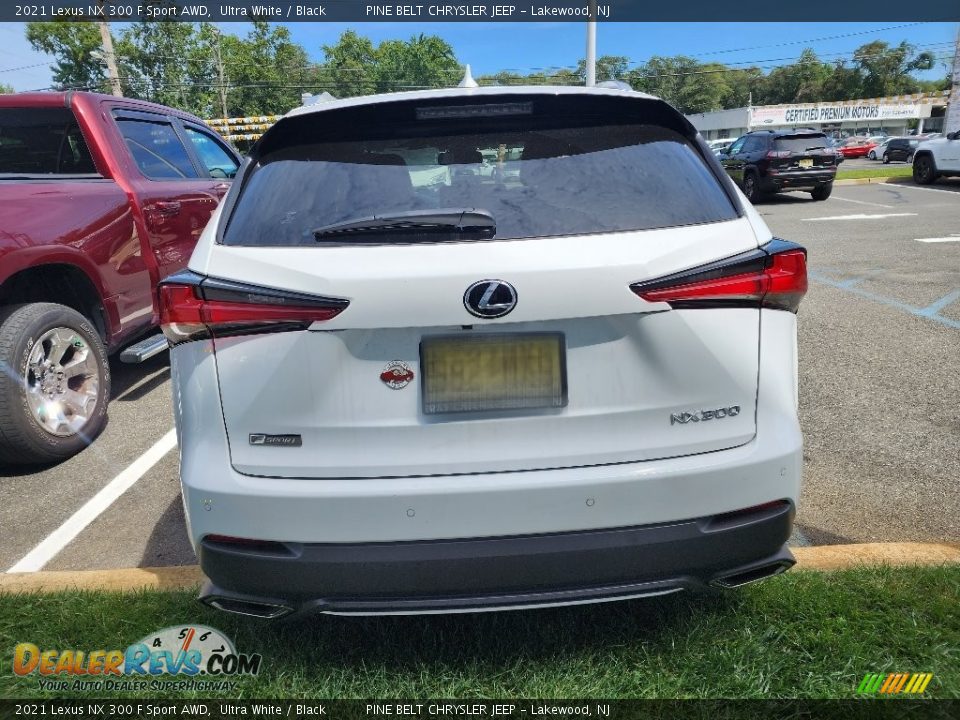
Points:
(894, 683)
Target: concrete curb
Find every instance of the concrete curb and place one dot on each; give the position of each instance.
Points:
(189, 577)
(870, 180)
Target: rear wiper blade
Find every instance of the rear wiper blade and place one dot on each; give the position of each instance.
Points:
(420, 224)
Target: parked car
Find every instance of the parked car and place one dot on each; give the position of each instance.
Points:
(719, 145)
(934, 159)
(856, 147)
(102, 196)
(764, 162)
(899, 149)
(580, 386)
(876, 152)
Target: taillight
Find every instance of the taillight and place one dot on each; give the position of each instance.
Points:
(773, 277)
(194, 307)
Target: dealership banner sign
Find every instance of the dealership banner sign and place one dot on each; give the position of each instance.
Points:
(804, 114)
(467, 11)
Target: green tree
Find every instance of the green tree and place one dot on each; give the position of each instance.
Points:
(353, 66)
(688, 85)
(743, 87)
(6, 89)
(71, 45)
(887, 70)
(151, 59)
(422, 61)
(504, 77)
(266, 70)
(802, 81)
(609, 67)
(844, 83)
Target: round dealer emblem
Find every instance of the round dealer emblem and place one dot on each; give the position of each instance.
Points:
(396, 375)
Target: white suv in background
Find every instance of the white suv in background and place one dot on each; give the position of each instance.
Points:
(405, 385)
(937, 158)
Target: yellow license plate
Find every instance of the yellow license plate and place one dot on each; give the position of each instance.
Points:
(806, 163)
(475, 373)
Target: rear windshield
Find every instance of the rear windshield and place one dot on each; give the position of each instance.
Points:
(533, 182)
(42, 141)
(801, 143)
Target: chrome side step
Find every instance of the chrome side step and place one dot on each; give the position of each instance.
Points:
(145, 349)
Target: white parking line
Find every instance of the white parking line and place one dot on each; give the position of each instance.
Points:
(861, 202)
(915, 187)
(75, 524)
(859, 217)
(952, 238)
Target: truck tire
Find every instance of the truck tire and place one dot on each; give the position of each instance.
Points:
(56, 384)
(924, 171)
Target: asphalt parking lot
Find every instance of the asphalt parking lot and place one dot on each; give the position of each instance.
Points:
(880, 401)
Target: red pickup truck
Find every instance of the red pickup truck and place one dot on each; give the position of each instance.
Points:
(100, 197)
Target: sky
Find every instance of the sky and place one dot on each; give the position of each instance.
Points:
(523, 47)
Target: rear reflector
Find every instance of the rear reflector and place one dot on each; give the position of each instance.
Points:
(194, 307)
(773, 277)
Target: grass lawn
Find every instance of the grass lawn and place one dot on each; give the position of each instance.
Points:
(802, 635)
(885, 171)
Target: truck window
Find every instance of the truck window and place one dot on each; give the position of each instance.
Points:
(42, 141)
(157, 150)
(219, 163)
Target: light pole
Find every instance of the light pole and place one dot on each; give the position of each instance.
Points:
(591, 62)
(109, 57)
(221, 72)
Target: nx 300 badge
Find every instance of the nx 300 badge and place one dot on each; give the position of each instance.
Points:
(704, 415)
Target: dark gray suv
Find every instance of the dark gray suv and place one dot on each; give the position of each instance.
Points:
(764, 162)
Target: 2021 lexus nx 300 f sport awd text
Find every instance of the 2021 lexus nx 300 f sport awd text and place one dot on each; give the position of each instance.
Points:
(406, 381)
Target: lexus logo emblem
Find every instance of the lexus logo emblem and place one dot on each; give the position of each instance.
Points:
(490, 298)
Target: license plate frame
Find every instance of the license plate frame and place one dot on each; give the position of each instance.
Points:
(432, 405)
(805, 163)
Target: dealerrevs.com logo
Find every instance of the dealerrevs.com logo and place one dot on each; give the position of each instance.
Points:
(184, 653)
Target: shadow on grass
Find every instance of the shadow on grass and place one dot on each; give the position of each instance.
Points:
(500, 639)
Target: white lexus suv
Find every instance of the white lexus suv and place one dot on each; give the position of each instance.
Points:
(406, 381)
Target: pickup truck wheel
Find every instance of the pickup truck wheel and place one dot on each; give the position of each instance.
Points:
(924, 172)
(54, 393)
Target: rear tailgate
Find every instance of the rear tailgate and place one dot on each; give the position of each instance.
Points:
(625, 369)
(803, 152)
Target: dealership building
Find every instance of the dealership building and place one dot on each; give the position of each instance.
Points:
(896, 115)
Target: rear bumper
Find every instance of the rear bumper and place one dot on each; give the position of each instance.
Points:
(497, 573)
(797, 180)
(220, 500)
